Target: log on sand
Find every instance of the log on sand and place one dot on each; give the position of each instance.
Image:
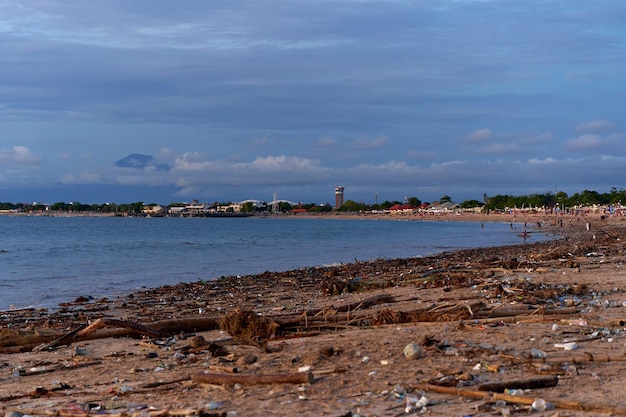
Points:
(252, 379)
(83, 332)
(533, 383)
(520, 399)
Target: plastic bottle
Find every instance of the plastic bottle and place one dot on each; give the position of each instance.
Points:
(539, 405)
(537, 353)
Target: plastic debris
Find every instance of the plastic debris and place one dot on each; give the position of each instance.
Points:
(567, 346)
(537, 353)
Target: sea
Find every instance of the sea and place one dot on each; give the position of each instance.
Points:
(47, 260)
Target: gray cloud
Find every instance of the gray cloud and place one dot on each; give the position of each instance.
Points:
(298, 96)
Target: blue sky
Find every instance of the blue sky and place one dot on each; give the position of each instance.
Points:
(244, 99)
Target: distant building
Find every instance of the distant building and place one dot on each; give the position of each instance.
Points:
(338, 196)
(153, 210)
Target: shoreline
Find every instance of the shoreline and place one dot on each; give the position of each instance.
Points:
(348, 324)
(58, 303)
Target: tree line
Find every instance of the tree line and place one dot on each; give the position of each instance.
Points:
(559, 199)
(497, 202)
(126, 208)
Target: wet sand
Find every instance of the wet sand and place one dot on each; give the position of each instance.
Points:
(477, 316)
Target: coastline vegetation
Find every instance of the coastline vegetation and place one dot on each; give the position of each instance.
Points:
(500, 202)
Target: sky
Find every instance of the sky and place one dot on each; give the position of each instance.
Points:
(234, 100)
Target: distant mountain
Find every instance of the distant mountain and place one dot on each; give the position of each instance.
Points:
(139, 161)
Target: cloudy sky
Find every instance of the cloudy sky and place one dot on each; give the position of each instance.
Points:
(244, 99)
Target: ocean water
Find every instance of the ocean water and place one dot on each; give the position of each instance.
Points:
(48, 260)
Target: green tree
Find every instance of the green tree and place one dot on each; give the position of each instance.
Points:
(414, 202)
(589, 198)
(59, 206)
(615, 196)
(353, 206)
(445, 199)
(385, 205)
(247, 207)
(284, 206)
(467, 204)
(8, 206)
(321, 208)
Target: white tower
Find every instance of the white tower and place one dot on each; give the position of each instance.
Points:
(275, 207)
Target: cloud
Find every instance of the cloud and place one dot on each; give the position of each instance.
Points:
(427, 155)
(196, 176)
(366, 143)
(501, 148)
(263, 142)
(479, 136)
(281, 163)
(584, 142)
(325, 142)
(594, 126)
(260, 95)
(541, 139)
(534, 161)
(166, 154)
(18, 155)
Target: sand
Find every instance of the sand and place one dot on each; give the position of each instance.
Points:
(476, 316)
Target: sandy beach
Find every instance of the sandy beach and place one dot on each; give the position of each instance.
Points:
(535, 328)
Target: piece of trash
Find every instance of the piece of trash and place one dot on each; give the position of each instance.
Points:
(214, 405)
(399, 390)
(539, 405)
(537, 353)
(493, 368)
(513, 391)
(413, 403)
(80, 351)
(567, 346)
(123, 389)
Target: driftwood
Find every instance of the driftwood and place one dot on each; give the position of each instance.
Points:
(520, 399)
(162, 383)
(448, 312)
(344, 316)
(151, 413)
(580, 358)
(187, 325)
(533, 383)
(29, 341)
(511, 312)
(165, 327)
(253, 379)
(321, 313)
(19, 349)
(84, 332)
(227, 369)
(45, 370)
(525, 318)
